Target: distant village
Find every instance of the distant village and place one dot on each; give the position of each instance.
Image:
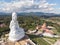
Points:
(2, 24)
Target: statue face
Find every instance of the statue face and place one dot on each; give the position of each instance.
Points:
(14, 16)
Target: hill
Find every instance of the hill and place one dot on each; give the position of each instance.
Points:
(42, 14)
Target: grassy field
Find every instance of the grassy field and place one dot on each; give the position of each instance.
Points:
(38, 40)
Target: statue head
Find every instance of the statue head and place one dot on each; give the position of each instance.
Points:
(14, 16)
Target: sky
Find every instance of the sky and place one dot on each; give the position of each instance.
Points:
(47, 6)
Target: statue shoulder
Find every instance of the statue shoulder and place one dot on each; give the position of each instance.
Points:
(11, 21)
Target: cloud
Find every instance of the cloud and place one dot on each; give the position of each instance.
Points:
(26, 5)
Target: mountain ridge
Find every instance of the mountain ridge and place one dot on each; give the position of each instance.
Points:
(33, 14)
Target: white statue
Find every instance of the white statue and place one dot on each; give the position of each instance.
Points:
(16, 33)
